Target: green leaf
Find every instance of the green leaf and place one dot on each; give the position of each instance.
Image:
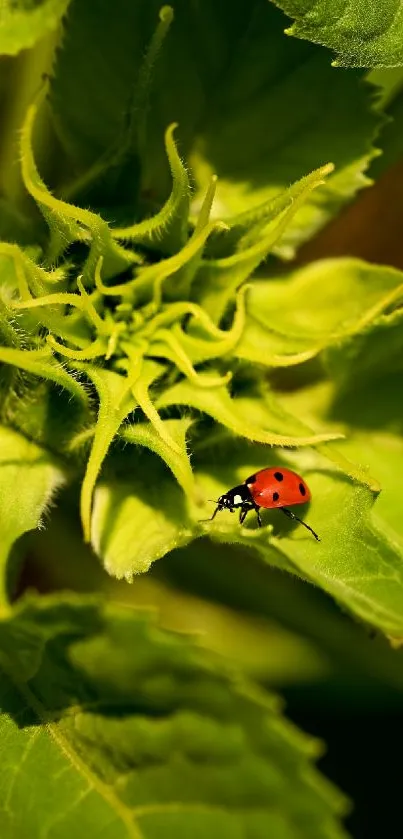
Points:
(68, 223)
(369, 410)
(139, 519)
(304, 631)
(354, 562)
(152, 735)
(272, 103)
(368, 580)
(145, 434)
(233, 82)
(324, 304)
(115, 403)
(375, 351)
(29, 477)
(23, 24)
(237, 416)
(260, 648)
(42, 363)
(360, 32)
(391, 101)
(167, 230)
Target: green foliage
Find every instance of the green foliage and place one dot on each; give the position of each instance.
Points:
(23, 23)
(195, 751)
(155, 349)
(361, 33)
(29, 478)
(232, 82)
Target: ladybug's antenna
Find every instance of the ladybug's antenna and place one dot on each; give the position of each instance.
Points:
(217, 509)
(295, 518)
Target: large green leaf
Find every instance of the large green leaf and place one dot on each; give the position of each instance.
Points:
(29, 477)
(359, 565)
(252, 107)
(361, 33)
(324, 304)
(260, 647)
(150, 735)
(23, 23)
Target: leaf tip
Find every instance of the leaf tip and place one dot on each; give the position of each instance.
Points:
(328, 168)
(166, 14)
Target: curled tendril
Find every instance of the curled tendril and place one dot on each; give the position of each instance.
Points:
(94, 350)
(172, 349)
(177, 311)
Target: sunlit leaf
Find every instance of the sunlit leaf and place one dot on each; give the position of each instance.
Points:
(116, 401)
(145, 434)
(22, 24)
(42, 363)
(218, 404)
(29, 478)
(69, 223)
(360, 32)
(355, 562)
(324, 304)
(138, 519)
(133, 721)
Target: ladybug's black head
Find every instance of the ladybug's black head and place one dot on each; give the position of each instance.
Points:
(237, 497)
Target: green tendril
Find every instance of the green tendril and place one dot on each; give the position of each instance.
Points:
(144, 82)
(175, 211)
(173, 350)
(94, 350)
(91, 311)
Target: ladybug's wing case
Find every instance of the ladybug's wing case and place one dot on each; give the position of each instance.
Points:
(277, 487)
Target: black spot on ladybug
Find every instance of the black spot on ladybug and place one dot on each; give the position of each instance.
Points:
(251, 480)
(302, 489)
(278, 476)
(275, 496)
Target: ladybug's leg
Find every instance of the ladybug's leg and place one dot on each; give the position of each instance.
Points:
(295, 518)
(259, 520)
(243, 513)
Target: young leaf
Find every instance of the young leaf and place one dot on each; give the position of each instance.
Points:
(152, 735)
(68, 223)
(360, 32)
(42, 363)
(145, 434)
(115, 403)
(218, 404)
(29, 477)
(167, 230)
(137, 521)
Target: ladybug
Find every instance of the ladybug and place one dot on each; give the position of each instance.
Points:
(269, 488)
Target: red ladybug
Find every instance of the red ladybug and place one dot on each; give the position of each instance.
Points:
(268, 488)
